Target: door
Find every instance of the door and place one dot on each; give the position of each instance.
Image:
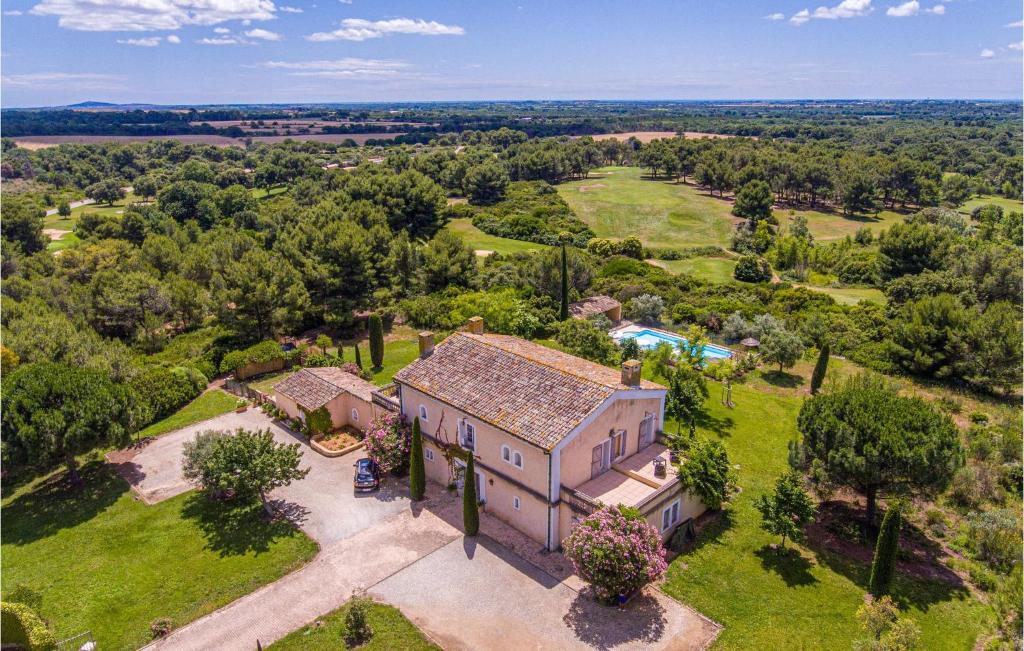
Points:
(460, 480)
(647, 430)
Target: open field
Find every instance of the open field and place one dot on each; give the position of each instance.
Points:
(391, 630)
(983, 200)
(825, 226)
(849, 295)
(104, 561)
(648, 136)
(803, 600)
(55, 225)
(618, 202)
(206, 406)
(713, 270)
(481, 241)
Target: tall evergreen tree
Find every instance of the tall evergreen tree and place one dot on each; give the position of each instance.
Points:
(359, 359)
(417, 473)
(376, 341)
(564, 311)
(883, 565)
(818, 376)
(470, 509)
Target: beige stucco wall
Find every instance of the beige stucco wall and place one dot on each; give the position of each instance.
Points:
(339, 408)
(624, 414)
(690, 506)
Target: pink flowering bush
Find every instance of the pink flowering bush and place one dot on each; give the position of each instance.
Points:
(387, 441)
(616, 551)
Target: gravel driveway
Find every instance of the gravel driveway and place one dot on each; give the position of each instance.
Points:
(323, 503)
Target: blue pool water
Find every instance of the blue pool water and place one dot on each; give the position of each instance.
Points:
(648, 339)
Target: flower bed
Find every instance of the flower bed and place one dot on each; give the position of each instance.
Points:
(337, 443)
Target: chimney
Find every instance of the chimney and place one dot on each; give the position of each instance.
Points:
(426, 344)
(631, 373)
(475, 325)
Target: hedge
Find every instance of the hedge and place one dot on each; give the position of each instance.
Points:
(264, 351)
(20, 625)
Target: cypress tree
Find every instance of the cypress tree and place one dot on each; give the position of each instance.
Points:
(564, 312)
(376, 342)
(417, 473)
(359, 359)
(883, 565)
(470, 509)
(818, 376)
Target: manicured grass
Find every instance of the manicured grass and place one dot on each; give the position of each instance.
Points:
(481, 241)
(616, 202)
(266, 382)
(398, 353)
(105, 562)
(714, 270)
(391, 630)
(67, 240)
(262, 193)
(206, 406)
(805, 600)
(985, 199)
(850, 295)
(835, 226)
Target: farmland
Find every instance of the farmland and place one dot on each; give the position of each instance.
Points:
(43, 142)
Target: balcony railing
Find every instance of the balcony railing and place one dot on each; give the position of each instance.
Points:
(386, 397)
(579, 502)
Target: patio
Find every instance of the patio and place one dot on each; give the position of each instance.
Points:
(633, 480)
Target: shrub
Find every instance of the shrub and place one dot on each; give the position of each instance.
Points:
(319, 421)
(995, 537)
(979, 418)
(883, 564)
(20, 625)
(888, 632)
(387, 441)
(705, 470)
(264, 351)
(616, 551)
(787, 510)
(646, 307)
(167, 389)
(161, 627)
(586, 340)
(752, 269)
(206, 367)
(630, 349)
(357, 625)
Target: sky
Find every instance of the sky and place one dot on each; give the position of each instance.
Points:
(56, 52)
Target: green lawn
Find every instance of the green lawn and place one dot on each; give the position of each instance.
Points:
(806, 601)
(850, 295)
(206, 406)
(262, 193)
(105, 562)
(55, 221)
(714, 270)
(835, 226)
(391, 631)
(985, 199)
(266, 382)
(67, 240)
(481, 241)
(616, 202)
(398, 354)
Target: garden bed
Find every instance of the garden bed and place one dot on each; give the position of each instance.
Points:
(337, 443)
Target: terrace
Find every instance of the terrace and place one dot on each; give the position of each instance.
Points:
(633, 481)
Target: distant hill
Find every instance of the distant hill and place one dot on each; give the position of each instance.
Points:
(91, 105)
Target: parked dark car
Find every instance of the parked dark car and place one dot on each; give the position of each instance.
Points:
(367, 475)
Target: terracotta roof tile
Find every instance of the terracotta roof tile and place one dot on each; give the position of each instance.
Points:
(593, 305)
(531, 391)
(313, 388)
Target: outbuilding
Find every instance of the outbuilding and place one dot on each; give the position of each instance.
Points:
(346, 397)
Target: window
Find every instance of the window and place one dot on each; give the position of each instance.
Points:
(506, 454)
(428, 454)
(517, 460)
(423, 412)
(468, 436)
(670, 516)
(355, 415)
(619, 444)
(647, 430)
(515, 502)
(601, 458)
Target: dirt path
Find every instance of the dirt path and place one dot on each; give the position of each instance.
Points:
(73, 204)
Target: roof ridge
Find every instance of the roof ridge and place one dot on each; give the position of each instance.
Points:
(541, 362)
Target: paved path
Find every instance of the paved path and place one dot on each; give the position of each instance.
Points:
(73, 204)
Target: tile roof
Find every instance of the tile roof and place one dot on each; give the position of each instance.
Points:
(530, 391)
(313, 388)
(593, 305)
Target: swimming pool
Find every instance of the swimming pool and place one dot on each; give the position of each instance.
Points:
(648, 339)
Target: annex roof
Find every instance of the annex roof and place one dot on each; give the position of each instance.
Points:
(313, 388)
(530, 391)
(592, 305)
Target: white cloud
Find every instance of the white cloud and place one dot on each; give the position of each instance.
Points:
(173, 39)
(290, 10)
(845, 9)
(221, 40)
(263, 34)
(987, 53)
(937, 10)
(150, 15)
(13, 12)
(221, 30)
(800, 17)
(63, 79)
(1018, 24)
(358, 29)
(345, 2)
(149, 41)
(776, 16)
(349, 67)
(910, 8)
(1019, 45)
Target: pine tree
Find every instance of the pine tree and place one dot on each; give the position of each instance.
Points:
(376, 342)
(417, 473)
(883, 565)
(818, 376)
(564, 311)
(359, 359)
(470, 510)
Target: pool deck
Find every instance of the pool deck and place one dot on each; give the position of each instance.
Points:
(627, 328)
